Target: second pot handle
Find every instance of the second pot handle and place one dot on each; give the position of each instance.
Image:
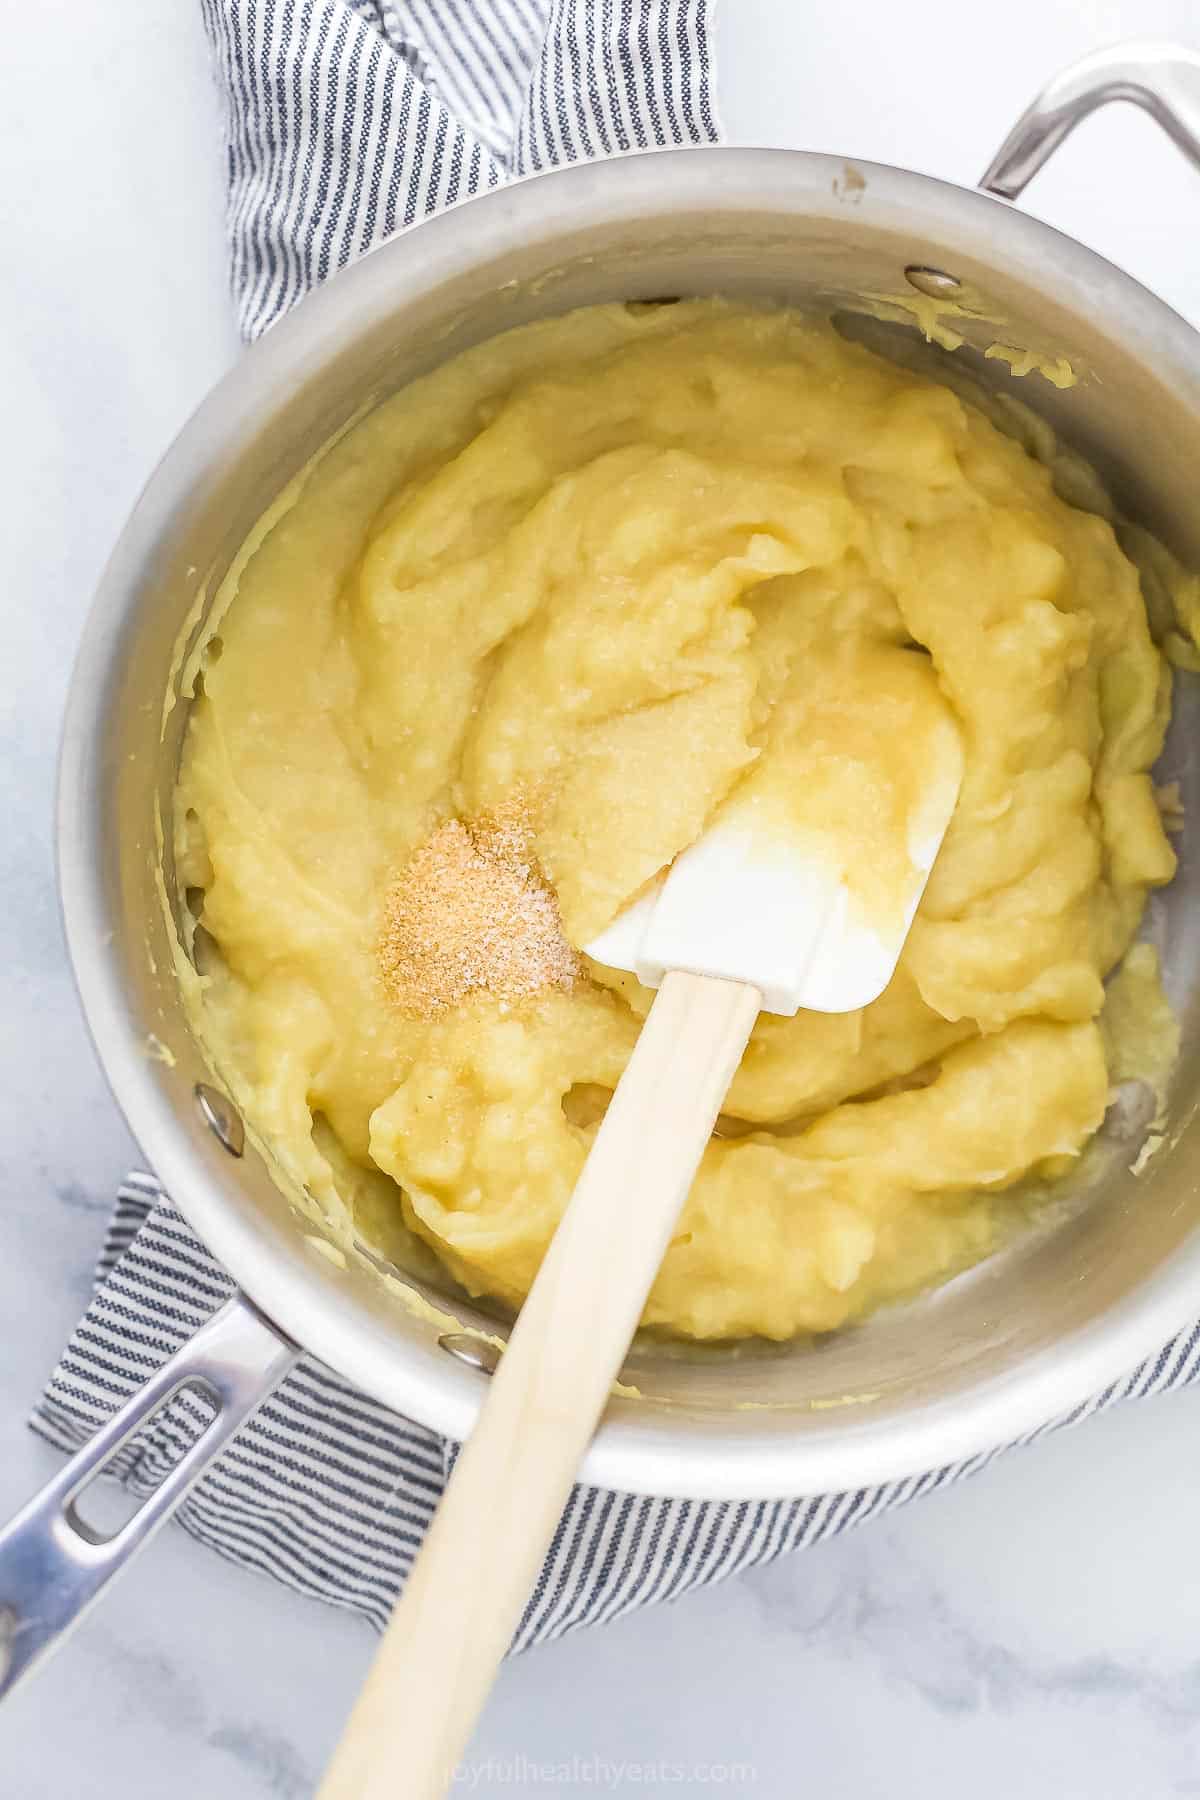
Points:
(52, 1564)
(1163, 79)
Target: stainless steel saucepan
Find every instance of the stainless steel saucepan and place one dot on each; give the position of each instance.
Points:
(998, 1352)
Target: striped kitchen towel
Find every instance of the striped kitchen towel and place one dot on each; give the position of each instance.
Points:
(345, 122)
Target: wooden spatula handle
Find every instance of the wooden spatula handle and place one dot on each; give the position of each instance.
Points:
(473, 1575)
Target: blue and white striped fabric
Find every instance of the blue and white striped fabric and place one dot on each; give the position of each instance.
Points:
(344, 123)
(349, 119)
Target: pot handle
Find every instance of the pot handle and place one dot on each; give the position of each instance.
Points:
(52, 1564)
(1163, 79)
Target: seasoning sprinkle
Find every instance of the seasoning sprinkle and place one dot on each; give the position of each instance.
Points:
(470, 912)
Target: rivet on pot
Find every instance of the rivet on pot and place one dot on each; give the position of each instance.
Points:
(221, 1117)
(8, 1632)
(933, 282)
(475, 1351)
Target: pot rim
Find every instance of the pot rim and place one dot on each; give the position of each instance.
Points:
(635, 1448)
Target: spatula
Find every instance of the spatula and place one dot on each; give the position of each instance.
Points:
(747, 918)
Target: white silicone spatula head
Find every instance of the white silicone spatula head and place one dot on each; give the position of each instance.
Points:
(751, 901)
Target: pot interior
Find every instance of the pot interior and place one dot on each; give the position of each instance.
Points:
(1113, 1263)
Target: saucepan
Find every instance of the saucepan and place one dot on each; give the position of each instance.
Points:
(1092, 1288)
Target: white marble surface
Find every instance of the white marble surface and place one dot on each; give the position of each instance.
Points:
(1037, 1631)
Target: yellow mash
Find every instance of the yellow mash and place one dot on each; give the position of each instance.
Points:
(621, 560)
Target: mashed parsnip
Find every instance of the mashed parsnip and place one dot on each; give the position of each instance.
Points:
(611, 558)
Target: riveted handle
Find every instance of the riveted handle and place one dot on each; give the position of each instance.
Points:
(52, 1565)
(1163, 79)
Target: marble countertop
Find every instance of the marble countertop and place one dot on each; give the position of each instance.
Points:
(1037, 1630)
